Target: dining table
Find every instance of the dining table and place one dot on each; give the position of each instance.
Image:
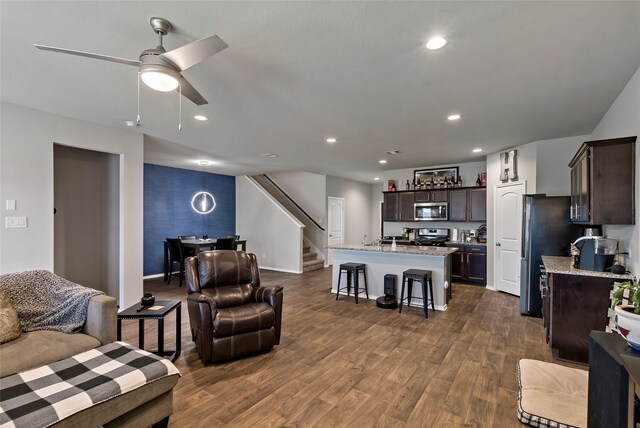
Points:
(198, 245)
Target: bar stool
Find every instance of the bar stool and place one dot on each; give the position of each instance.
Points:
(353, 269)
(423, 276)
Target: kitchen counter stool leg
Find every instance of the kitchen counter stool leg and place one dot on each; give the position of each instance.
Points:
(402, 293)
(424, 298)
(433, 306)
(355, 284)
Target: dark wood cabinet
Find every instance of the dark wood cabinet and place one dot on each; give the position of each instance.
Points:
(573, 305)
(405, 206)
(468, 204)
(477, 204)
(457, 266)
(390, 210)
(465, 204)
(476, 267)
(469, 263)
(602, 182)
(431, 195)
(458, 205)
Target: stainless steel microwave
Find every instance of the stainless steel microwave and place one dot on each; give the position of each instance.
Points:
(431, 211)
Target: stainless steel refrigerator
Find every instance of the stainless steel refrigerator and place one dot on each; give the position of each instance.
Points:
(546, 231)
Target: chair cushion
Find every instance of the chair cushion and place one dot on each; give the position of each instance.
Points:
(219, 268)
(36, 348)
(552, 395)
(242, 319)
(230, 295)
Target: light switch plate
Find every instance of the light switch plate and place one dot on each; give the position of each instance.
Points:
(10, 205)
(15, 222)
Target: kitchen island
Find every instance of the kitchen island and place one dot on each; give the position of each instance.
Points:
(382, 260)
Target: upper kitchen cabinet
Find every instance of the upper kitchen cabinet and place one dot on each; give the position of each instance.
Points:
(405, 206)
(390, 207)
(602, 182)
(477, 205)
(398, 206)
(468, 204)
(431, 195)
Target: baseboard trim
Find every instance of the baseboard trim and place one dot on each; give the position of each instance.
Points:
(280, 270)
(157, 275)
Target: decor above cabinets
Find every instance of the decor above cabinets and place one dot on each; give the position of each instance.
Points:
(602, 182)
(464, 204)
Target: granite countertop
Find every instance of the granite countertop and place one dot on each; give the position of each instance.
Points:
(400, 249)
(556, 264)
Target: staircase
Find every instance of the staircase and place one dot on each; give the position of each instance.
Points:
(310, 260)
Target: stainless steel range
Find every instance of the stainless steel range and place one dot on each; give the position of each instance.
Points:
(432, 237)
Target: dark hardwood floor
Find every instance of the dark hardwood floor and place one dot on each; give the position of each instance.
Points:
(342, 364)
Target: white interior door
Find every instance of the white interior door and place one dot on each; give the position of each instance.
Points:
(508, 217)
(335, 224)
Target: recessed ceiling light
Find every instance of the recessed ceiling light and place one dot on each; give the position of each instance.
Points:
(435, 43)
(377, 178)
(478, 150)
(200, 117)
(269, 155)
(382, 161)
(454, 117)
(393, 152)
(331, 140)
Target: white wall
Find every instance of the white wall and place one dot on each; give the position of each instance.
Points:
(623, 120)
(26, 175)
(307, 189)
(376, 217)
(553, 175)
(357, 208)
(272, 234)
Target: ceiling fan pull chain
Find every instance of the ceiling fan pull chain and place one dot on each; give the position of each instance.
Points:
(180, 108)
(138, 113)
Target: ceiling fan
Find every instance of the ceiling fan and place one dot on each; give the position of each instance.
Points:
(159, 69)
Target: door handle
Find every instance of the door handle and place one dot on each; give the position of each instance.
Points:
(498, 244)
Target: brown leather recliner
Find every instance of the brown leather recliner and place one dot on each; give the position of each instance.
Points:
(230, 314)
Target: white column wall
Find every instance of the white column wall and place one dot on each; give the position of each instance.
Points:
(26, 175)
(272, 233)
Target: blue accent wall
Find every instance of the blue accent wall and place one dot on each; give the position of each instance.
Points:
(168, 213)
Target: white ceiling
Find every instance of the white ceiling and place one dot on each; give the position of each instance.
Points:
(298, 72)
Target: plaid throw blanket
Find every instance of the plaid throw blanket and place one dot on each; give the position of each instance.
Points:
(45, 395)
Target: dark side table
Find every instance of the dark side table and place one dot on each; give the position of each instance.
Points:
(159, 314)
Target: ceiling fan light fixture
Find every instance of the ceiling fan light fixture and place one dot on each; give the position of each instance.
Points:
(158, 80)
(435, 43)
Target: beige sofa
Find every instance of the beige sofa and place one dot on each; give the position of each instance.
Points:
(149, 405)
(35, 348)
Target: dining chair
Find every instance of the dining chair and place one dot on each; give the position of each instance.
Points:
(226, 243)
(176, 255)
(188, 251)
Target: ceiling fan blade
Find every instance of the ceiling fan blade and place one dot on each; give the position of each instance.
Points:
(194, 52)
(190, 92)
(125, 61)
